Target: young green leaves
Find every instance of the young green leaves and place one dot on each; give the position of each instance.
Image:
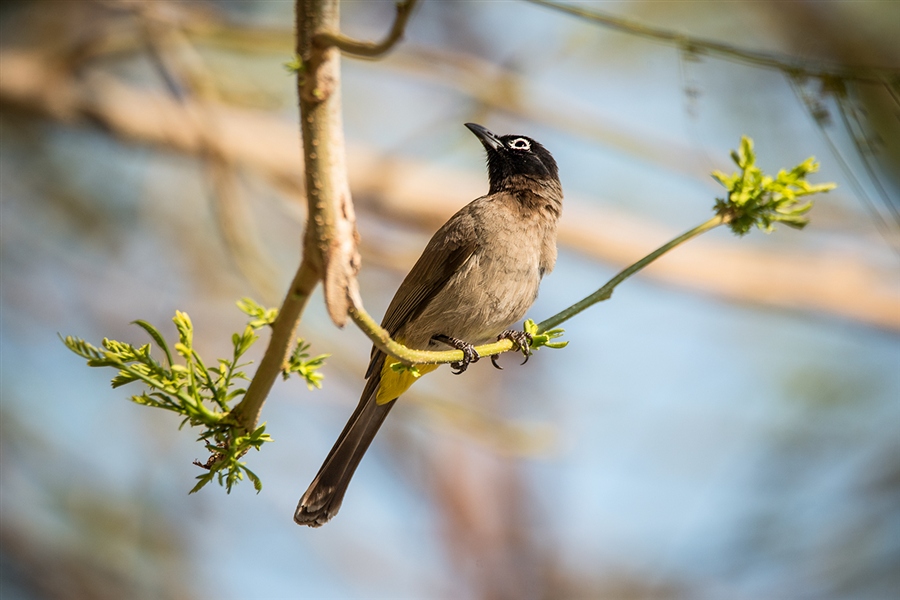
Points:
(543, 339)
(762, 200)
(307, 368)
(203, 395)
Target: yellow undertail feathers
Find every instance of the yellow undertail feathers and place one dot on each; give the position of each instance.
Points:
(396, 382)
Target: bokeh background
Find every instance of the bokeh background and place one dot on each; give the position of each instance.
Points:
(726, 426)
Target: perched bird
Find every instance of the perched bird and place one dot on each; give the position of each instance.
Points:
(477, 276)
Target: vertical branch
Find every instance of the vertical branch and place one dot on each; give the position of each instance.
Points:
(329, 248)
(331, 237)
(330, 243)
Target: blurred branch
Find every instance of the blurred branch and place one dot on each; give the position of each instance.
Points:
(821, 117)
(864, 148)
(833, 76)
(787, 64)
(833, 283)
(486, 514)
(189, 82)
(491, 85)
(348, 45)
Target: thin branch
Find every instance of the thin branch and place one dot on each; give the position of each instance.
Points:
(247, 413)
(865, 150)
(382, 339)
(787, 64)
(329, 250)
(348, 45)
(606, 290)
(820, 119)
(188, 81)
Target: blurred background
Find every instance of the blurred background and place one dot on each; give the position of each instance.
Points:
(724, 427)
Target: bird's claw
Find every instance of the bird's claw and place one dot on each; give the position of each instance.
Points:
(470, 355)
(521, 342)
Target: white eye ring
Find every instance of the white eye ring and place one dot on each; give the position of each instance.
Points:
(520, 144)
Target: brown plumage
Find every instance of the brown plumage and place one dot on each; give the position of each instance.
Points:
(477, 276)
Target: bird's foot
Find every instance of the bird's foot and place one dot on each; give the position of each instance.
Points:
(521, 342)
(470, 355)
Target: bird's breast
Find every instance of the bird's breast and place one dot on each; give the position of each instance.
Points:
(497, 285)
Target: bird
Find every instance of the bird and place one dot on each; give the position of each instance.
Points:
(476, 277)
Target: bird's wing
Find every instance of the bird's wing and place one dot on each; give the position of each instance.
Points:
(449, 249)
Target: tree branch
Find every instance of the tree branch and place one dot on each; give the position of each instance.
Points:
(329, 249)
(606, 290)
(754, 199)
(382, 339)
(786, 64)
(247, 412)
(327, 39)
(331, 237)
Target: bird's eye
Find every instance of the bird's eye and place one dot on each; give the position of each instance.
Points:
(520, 144)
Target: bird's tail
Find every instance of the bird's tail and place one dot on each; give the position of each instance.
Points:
(323, 498)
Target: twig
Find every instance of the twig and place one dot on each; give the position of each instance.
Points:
(348, 45)
(247, 413)
(329, 252)
(382, 339)
(187, 78)
(786, 64)
(606, 291)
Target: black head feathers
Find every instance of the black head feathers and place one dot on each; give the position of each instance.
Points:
(511, 155)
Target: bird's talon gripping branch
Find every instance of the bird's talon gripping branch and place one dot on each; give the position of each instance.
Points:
(470, 355)
(521, 341)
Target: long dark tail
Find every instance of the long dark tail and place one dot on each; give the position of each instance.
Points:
(323, 498)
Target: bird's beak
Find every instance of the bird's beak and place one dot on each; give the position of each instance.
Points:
(488, 139)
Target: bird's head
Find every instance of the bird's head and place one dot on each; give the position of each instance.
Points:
(511, 155)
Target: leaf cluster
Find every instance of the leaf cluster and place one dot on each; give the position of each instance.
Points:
(202, 394)
(543, 338)
(307, 368)
(762, 200)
